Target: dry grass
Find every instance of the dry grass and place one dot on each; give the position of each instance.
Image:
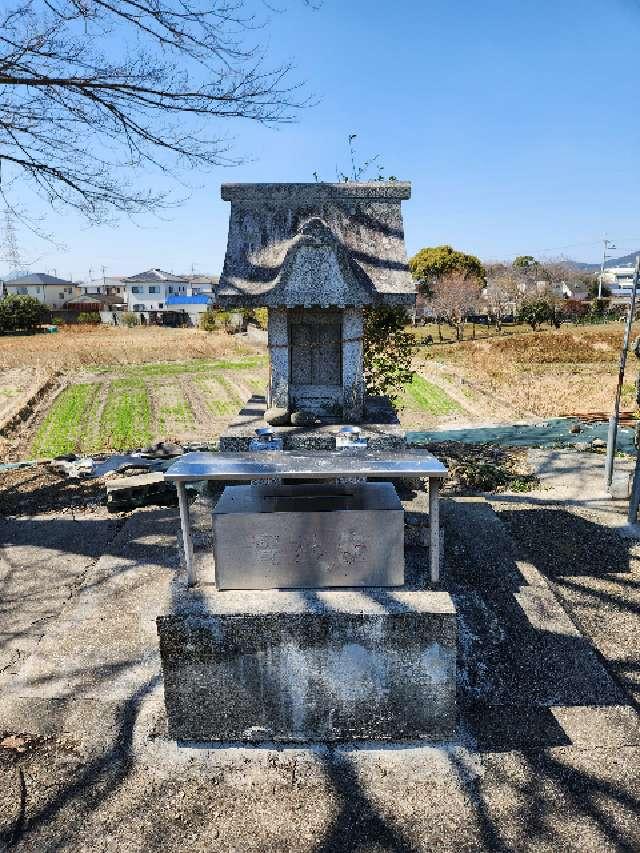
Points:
(569, 371)
(93, 346)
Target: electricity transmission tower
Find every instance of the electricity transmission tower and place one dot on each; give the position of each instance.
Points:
(10, 252)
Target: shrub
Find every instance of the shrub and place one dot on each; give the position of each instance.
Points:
(599, 309)
(58, 321)
(213, 319)
(535, 312)
(575, 310)
(129, 319)
(258, 316)
(388, 351)
(90, 317)
(21, 313)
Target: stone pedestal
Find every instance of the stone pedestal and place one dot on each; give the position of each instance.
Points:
(380, 427)
(310, 666)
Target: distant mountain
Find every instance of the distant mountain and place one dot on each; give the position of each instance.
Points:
(624, 261)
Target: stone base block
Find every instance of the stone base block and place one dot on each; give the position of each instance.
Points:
(379, 427)
(310, 666)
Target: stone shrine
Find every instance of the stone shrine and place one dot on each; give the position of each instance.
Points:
(315, 255)
(306, 627)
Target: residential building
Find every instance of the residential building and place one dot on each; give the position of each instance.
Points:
(186, 310)
(202, 284)
(109, 285)
(51, 291)
(147, 292)
(619, 280)
(96, 302)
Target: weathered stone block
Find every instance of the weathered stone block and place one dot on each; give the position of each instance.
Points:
(313, 666)
(277, 417)
(303, 419)
(380, 430)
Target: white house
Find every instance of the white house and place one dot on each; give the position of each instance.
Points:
(108, 285)
(53, 292)
(201, 285)
(619, 280)
(147, 292)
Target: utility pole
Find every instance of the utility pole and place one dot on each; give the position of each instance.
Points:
(607, 244)
(613, 420)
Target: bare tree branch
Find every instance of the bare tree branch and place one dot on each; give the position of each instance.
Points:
(96, 93)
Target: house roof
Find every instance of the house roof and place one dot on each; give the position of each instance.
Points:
(154, 275)
(179, 299)
(96, 299)
(109, 281)
(202, 279)
(316, 244)
(38, 278)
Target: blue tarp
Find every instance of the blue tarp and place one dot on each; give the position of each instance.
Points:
(198, 299)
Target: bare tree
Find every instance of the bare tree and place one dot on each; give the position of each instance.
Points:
(505, 290)
(92, 91)
(454, 297)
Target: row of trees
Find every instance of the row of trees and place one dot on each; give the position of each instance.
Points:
(453, 285)
(21, 313)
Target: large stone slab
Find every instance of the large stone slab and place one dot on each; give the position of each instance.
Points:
(310, 666)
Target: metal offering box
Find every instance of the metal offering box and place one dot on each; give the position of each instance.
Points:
(309, 536)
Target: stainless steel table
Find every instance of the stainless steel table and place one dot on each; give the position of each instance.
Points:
(309, 465)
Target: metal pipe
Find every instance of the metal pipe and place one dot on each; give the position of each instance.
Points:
(634, 500)
(434, 528)
(613, 421)
(185, 523)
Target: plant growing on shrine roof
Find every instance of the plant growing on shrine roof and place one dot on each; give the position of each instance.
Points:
(388, 352)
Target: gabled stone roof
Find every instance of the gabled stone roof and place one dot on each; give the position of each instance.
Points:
(316, 244)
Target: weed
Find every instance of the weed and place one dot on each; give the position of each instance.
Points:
(179, 414)
(220, 405)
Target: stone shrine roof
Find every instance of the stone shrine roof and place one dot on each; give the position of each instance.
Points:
(316, 245)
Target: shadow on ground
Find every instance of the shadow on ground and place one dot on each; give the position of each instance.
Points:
(521, 658)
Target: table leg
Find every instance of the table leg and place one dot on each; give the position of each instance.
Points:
(185, 524)
(434, 528)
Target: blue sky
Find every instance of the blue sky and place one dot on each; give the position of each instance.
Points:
(516, 123)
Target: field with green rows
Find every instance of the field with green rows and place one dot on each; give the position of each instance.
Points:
(130, 406)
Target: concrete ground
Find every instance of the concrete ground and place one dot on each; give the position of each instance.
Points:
(547, 753)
